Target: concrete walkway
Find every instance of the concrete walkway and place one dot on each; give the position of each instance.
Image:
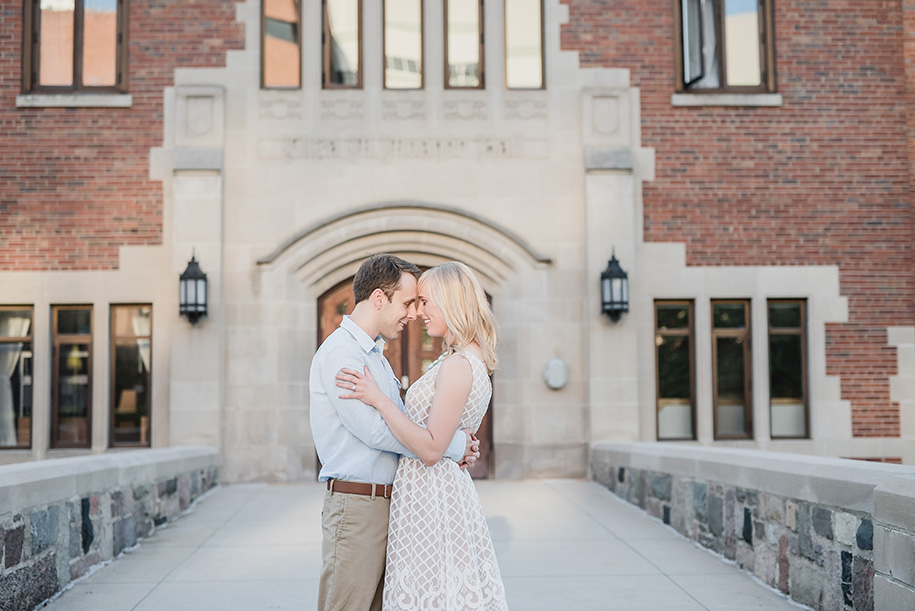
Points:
(562, 545)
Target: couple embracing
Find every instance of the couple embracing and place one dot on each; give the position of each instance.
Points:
(402, 522)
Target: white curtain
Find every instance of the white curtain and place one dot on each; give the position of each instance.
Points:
(9, 358)
(141, 325)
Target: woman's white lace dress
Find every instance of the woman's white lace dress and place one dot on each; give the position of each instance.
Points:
(440, 553)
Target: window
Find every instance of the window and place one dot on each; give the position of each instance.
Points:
(725, 45)
(524, 44)
(675, 381)
(787, 368)
(131, 356)
(342, 43)
(15, 377)
(403, 44)
(281, 44)
(731, 369)
(75, 45)
(464, 44)
(71, 371)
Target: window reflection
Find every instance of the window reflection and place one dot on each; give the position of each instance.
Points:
(281, 44)
(463, 46)
(403, 44)
(56, 43)
(131, 334)
(523, 44)
(741, 43)
(15, 379)
(342, 43)
(72, 380)
(673, 341)
(100, 43)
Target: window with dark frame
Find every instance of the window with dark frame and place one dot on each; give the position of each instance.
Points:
(524, 44)
(463, 44)
(75, 46)
(131, 366)
(788, 408)
(403, 44)
(71, 377)
(725, 46)
(15, 377)
(342, 44)
(675, 378)
(281, 44)
(731, 360)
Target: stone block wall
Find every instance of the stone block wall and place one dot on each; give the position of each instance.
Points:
(803, 525)
(894, 544)
(59, 518)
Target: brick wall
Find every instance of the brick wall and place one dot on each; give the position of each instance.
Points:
(824, 179)
(74, 183)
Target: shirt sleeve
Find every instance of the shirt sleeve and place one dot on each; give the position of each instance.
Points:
(363, 421)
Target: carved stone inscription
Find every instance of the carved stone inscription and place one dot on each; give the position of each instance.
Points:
(386, 148)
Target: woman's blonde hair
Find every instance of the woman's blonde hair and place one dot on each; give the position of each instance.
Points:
(458, 294)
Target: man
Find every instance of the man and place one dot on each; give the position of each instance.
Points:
(358, 452)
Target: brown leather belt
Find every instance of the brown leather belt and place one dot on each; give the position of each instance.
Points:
(372, 490)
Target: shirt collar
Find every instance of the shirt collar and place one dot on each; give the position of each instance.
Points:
(362, 338)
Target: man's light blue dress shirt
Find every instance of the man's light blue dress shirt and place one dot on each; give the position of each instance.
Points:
(351, 438)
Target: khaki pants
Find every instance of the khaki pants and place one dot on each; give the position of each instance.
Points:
(355, 542)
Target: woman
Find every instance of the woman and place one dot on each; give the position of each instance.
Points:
(440, 553)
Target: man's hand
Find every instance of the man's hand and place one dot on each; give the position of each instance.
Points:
(472, 451)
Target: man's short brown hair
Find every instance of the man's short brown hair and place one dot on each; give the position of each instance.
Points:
(381, 271)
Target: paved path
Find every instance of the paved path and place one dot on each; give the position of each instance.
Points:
(562, 545)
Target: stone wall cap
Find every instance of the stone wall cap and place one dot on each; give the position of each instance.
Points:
(894, 500)
(31, 484)
(830, 481)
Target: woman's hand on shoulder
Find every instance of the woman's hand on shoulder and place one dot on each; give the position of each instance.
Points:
(361, 386)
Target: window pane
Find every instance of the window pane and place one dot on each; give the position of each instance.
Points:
(788, 419)
(131, 321)
(15, 323)
(281, 43)
(784, 315)
(343, 30)
(463, 43)
(786, 367)
(15, 394)
(674, 379)
(55, 42)
(73, 394)
(131, 392)
(692, 41)
(100, 43)
(403, 44)
(674, 316)
(730, 416)
(741, 39)
(729, 315)
(74, 322)
(523, 44)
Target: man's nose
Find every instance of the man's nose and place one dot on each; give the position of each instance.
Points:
(411, 312)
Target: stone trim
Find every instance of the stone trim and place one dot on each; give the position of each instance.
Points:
(727, 99)
(409, 205)
(804, 525)
(61, 517)
(74, 100)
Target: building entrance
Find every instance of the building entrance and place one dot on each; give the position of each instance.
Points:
(409, 355)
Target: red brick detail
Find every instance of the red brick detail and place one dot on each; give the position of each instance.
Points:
(74, 183)
(826, 179)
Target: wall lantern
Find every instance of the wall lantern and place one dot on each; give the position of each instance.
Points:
(192, 292)
(614, 290)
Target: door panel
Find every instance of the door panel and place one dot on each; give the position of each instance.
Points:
(409, 355)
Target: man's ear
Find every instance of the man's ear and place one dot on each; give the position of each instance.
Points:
(378, 298)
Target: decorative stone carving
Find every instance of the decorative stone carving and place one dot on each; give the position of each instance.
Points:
(342, 110)
(606, 112)
(526, 109)
(280, 109)
(403, 110)
(465, 110)
(199, 116)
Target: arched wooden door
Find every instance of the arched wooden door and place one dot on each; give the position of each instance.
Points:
(409, 355)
